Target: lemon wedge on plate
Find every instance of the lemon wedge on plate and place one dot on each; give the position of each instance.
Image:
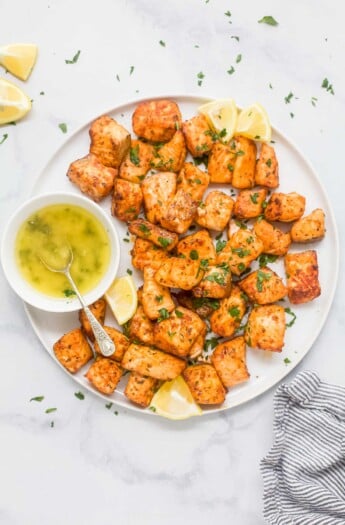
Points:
(221, 115)
(253, 122)
(14, 104)
(18, 59)
(122, 298)
(173, 400)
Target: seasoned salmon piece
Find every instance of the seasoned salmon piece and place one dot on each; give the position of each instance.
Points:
(241, 250)
(229, 360)
(120, 341)
(215, 212)
(197, 347)
(198, 246)
(179, 212)
(302, 273)
(179, 273)
(151, 362)
(263, 286)
(243, 175)
(158, 189)
(145, 253)
(141, 327)
(137, 162)
(221, 163)
(267, 171)
(204, 384)
(98, 309)
(127, 200)
(227, 318)
(92, 177)
(193, 180)
(140, 389)
(176, 333)
(72, 350)
(158, 236)
(171, 155)
(156, 120)
(285, 207)
(104, 374)
(309, 228)
(109, 141)
(266, 328)
(249, 203)
(203, 306)
(216, 282)
(155, 297)
(275, 241)
(198, 136)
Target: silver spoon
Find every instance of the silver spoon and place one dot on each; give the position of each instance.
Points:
(63, 253)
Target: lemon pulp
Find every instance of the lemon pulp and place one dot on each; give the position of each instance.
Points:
(122, 298)
(174, 400)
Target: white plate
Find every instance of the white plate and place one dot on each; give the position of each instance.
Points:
(266, 368)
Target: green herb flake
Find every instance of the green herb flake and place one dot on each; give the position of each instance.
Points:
(162, 43)
(241, 252)
(266, 258)
(260, 278)
(152, 408)
(234, 311)
(74, 59)
(52, 424)
(204, 264)
(125, 240)
(313, 101)
(68, 292)
(220, 245)
(287, 361)
(269, 162)
(292, 115)
(118, 78)
(37, 398)
(194, 255)
(200, 77)
(231, 70)
(327, 86)
(236, 38)
(63, 127)
(241, 267)
(134, 155)
(227, 13)
(159, 298)
(108, 405)
(238, 59)
(144, 229)
(178, 314)
(130, 272)
(42, 93)
(288, 98)
(216, 278)
(294, 317)
(211, 343)
(164, 242)
(50, 410)
(131, 70)
(4, 137)
(163, 314)
(254, 198)
(269, 20)
(79, 395)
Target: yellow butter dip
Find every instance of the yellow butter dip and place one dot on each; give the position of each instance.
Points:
(73, 225)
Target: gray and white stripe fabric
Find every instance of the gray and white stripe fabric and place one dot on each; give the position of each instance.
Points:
(304, 472)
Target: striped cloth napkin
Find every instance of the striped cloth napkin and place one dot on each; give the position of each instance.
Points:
(304, 472)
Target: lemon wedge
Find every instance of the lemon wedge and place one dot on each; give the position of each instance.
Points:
(173, 400)
(221, 115)
(18, 59)
(253, 122)
(122, 298)
(14, 104)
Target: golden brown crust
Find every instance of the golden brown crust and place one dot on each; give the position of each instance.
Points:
(155, 297)
(179, 273)
(92, 177)
(243, 175)
(104, 374)
(275, 241)
(204, 384)
(179, 213)
(155, 234)
(198, 246)
(140, 327)
(266, 328)
(216, 282)
(127, 200)
(263, 286)
(248, 204)
(267, 171)
(145, 253)
(156, 120)
(241, 250)
(215, 212)
(198, 136)
(227, 318)
(221, 163)
(120, 341)
(137, 162)
(229, 360)
(140, 389)
(171, 155)
(285, 207)
(193, 180)
(309, 228)
(98, 308)
(109, 141)
(72, 350)
(158, 189)
(151, 362)
(302, 273)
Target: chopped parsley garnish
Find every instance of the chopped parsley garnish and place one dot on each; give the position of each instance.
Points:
(266, 258)
(74, 59)
(200, 77)
(327, 86)
(220, 245)
(254, 198)
(241, 252)
(108, 405)
(194, 255)
(260, 278)
(129, 271)
(118, 78)
(162, 43)
(178, 314)
(144, 229)
(238, 59)
(214, 135)
(49, 410)
(37, 398)
(313, 101)
(227, 13)
(211, 343)
(269, 20)
(216, 278)
(68, 292)
(4, 137)
(269, 162)
(292, 115)
(288, 98)
(287, 361)
(153, 409)
(241, 267)
(163, 314)
(294, 317)
(125, 240)
(134, 155)
(63, 127)
(234, 311)
(164, 242)
(42, 93)
(199, 302)
(159, 298)
(79, 395)
(231, 70)
(131, 70)
(236, 38)
(204, 264)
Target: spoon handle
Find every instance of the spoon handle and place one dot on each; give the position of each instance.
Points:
(105, 343)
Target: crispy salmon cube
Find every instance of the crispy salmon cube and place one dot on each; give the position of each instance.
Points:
(216, 282)
(109, 141)
(156, 120)
(120, 341)
(267, 171)
(198, 246)
(72, 350)
(309, 228)
(266, 328)
(263, 286)
(221, 163)
(229, 360)
(171, 155)
(179, 273)
(241, 250)
(141, 327)
(140, 389)
(104, 374)
(193, 180)
(145, 253)
(158, 236)
(198, 136)
(302, 273)
(155, 297)
(215, 212)
(204, 384)
(98, 309)
(151, 362)
(158, 189)
(203, 306)
(179, 213)
(243, 175)
(227, 318)
(275, 241)
(285, 207)
(92, 177)
(177, 333)
(249, 203)
(137, 162)
(127, 200)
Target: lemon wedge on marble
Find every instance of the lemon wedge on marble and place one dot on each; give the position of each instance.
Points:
(221, 115)
(174, 400)
(122, 298)
(18, 59)
(253, 122)
(14, 104)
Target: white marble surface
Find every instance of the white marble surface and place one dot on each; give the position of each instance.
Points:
(94, 466)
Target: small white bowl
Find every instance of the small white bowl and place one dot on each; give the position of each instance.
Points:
(12, 272)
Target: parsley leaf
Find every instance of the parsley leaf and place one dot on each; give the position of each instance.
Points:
(74, 59)
(294, 317)
(178, 314)
(63, 127)
(231, 70)
(254, 198)
(131, 70)
(220, 245)
(4, 137)
(260, 278)
(238, 59)
(163, 314)
(162, 43)
(79, 395)
(234, 311)
(49, 410)
(68, 292)
(134, 155)
(287, 361)
(327, 86)
(200, 77)
(268, 20)
(164, 242)
(288, 98)
(37, 398)
(266, 258)
(194, 255)
(211, 343)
